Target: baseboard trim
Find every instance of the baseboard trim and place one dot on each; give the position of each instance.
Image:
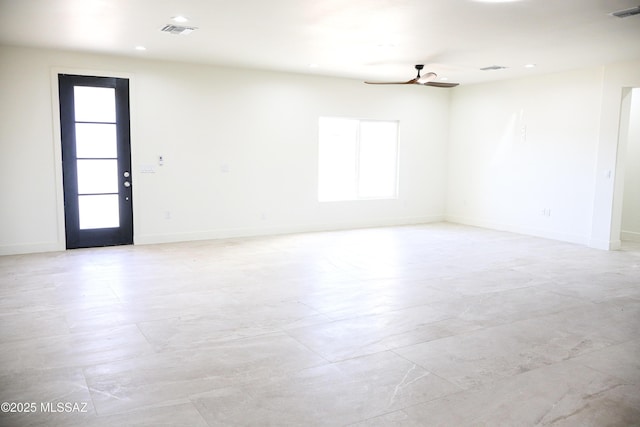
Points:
(630, 236)
(31, 248)
(228, 233)
(513, 228)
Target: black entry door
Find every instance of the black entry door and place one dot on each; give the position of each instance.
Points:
(96, 160)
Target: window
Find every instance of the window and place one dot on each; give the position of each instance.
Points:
(358, 159)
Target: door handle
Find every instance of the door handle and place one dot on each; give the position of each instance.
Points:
(127, 184)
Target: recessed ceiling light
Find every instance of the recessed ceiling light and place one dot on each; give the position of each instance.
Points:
(313, 65)
(141, 48)
(180, 18)
(530, 66)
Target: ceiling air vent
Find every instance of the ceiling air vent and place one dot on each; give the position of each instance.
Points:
(177, 30)
(493, 68)
(627, 12)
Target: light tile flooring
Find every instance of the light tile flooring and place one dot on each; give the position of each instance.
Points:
(434, 325)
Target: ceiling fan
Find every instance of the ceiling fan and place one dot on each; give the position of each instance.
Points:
(427, 79)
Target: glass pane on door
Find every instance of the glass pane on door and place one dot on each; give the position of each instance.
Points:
(95, 104)
(96, 140)
(97, 176)
(98, 211)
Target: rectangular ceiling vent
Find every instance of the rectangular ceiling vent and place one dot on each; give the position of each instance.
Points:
(177, 30)
(493, 68)
(627, 12)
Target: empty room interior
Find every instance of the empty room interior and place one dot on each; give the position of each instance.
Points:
(341, 213)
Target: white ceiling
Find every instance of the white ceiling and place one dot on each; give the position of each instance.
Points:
(362, 39)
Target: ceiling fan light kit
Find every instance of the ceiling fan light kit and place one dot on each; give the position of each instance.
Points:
(427, 79)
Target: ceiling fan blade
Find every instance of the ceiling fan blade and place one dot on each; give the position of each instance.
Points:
(410, 82)
(441, 84)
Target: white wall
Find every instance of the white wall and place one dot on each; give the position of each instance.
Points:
(240, 149)
(631, 202)
(523, 154)
(241, 145)
(561, 182)
(28, 210)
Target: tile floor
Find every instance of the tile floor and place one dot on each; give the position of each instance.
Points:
(434, 325)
